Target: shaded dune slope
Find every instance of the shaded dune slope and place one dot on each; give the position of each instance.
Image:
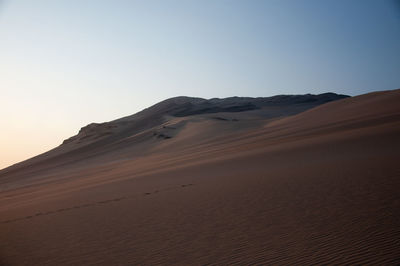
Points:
(313, 187)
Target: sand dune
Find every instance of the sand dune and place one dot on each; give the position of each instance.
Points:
(238, 182)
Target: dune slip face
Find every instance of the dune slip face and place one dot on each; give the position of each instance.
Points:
(307, 179)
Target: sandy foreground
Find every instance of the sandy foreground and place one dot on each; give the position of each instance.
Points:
(319, 187)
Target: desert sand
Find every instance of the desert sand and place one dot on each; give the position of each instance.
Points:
(296, 184)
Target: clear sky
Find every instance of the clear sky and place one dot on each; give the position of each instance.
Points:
(67, 63)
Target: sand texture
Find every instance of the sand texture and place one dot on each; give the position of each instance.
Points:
(209, 183)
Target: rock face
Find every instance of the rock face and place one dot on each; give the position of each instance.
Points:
(92, 132)
(182, 106)
(185, 106)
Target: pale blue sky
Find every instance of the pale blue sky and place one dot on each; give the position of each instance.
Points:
(64, 64)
